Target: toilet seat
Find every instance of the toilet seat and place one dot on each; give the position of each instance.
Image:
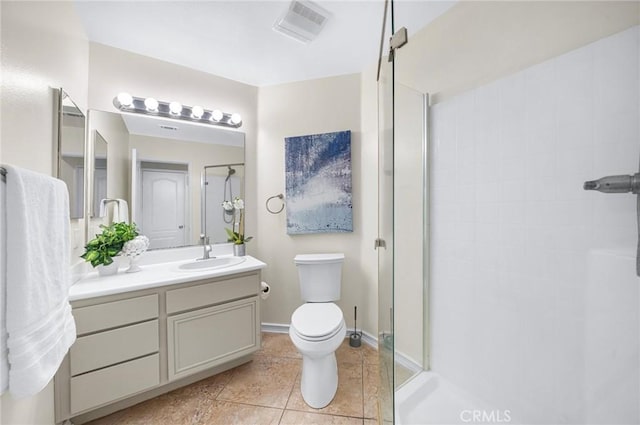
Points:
(317, 321)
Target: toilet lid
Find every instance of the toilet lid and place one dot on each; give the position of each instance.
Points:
(316, 320)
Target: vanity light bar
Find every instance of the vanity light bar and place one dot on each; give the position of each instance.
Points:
(150, 106)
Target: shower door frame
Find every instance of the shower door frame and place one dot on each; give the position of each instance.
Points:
(389, 245)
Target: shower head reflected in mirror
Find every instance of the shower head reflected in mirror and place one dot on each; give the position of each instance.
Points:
(230, 173)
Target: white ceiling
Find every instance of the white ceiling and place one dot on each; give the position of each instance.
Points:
(234, 39)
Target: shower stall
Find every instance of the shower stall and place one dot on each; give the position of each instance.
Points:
(507, 293)
(220, 185)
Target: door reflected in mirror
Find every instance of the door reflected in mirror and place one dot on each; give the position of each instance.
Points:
(161, 164)
(71, 152)
(164, 197)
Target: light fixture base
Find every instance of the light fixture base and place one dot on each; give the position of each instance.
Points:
(163, 109)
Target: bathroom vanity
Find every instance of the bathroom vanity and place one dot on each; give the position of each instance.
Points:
(143, 334)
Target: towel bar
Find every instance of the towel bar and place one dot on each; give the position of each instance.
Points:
(279, 196)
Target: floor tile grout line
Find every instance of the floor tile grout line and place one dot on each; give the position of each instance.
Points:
(251, 405)
(315, 412)
(362, 387)
(234, 372)
(295, 381)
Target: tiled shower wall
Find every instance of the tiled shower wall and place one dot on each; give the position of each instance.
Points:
(513, 230)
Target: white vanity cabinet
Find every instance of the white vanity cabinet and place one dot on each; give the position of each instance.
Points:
(199, 338)
(115, 353)
(136, 345)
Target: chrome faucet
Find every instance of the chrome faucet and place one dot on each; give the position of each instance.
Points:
(207, 248)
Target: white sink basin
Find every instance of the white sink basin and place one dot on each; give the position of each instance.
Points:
(212, 263)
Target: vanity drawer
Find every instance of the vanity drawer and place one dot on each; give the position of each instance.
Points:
(211, 293)
(110, 347)
(118, 313)
(112, 383)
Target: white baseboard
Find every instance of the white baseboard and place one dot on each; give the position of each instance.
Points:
(282, 328)
(400, 358)
(276, 328)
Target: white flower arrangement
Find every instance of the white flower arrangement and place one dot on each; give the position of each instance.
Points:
(237, 237)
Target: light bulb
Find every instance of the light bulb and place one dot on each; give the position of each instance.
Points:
(236, 118)
(151, 104)
(197, 112)
(216, 115)
(175, 108)
(125, 99)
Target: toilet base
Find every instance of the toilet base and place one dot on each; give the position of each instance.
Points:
(319, 381)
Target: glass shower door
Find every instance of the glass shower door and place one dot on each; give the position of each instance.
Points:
(402, 244)
(385, 229)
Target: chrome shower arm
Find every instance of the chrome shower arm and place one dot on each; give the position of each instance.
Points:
(621, 184)
(615, 184)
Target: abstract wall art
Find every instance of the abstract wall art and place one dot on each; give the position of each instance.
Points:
(318, 183)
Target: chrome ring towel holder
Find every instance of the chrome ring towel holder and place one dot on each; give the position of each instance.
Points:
(279, 196)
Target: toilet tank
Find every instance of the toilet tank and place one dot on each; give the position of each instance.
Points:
(320, 276)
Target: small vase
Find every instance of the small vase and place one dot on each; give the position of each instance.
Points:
(133, 249)
(133, 265)
(109, 270)
(239, 250)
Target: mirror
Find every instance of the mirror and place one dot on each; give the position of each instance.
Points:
(71, 152)
(173, 174)
(99, 173)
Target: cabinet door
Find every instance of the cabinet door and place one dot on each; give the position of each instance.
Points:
(207, 337)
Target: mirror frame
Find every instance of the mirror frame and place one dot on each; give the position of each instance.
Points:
(58, 97)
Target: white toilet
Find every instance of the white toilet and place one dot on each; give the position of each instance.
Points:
(317, 327)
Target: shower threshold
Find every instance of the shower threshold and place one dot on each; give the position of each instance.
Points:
(429, 398)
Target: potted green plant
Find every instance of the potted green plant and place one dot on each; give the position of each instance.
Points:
(106, 245)
(237, 236)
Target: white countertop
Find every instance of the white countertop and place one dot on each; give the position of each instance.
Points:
(165, 272)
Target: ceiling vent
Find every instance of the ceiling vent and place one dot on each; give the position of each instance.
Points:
(303, 21)
(168, 127)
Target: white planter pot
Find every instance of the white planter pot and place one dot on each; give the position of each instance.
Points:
(109, 270)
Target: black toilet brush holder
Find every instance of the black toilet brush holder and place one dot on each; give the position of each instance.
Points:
(355, 339)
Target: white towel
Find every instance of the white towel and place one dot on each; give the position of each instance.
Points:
(121, 211)
(39, 322)
(103, 208)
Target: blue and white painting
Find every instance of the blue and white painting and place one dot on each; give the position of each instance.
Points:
(318, 179)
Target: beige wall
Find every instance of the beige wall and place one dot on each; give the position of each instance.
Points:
(368, 216)
(311, 107)
(43, 46)
(476, 42)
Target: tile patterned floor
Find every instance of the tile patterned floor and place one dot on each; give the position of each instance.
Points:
(265, 391)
